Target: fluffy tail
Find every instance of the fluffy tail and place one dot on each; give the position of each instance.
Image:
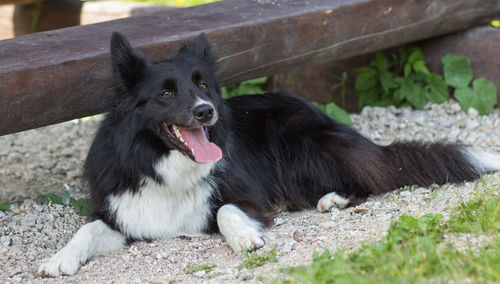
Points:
(426, 163)
(484, 162)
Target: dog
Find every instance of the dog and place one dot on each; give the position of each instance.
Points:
(173, 158)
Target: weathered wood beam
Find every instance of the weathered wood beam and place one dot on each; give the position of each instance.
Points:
(18, 2)
(59, 75)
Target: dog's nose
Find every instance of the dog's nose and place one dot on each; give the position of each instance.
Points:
(203, 113)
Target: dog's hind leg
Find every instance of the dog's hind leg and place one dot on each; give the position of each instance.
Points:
(91, 239)
(330, 201)
(241, 232)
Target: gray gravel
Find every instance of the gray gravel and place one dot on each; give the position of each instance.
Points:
(50, 160)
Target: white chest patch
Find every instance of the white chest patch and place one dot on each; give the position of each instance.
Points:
(178, 207)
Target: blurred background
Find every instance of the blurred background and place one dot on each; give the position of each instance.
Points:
(19, 17)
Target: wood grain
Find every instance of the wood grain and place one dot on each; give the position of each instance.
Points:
(63, 74)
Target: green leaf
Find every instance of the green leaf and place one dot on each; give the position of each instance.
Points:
(338, 114)
(407, 69)
(256, 81)
(225, 93)
(381, 62)
(413, 94)
(482, 96)
(464, 96)
(368, 97)
(419, 66)
(65, 198)
(385, 102)
(249, 87)
(321, 107)
(386, 81)
(366, 79)
(49, 198)
(438, 90)
(82, 206)
(404, 54)
(4, 207)
(457, 70)
(415, 55)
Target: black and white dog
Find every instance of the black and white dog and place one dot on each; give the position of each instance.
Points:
(173, 158)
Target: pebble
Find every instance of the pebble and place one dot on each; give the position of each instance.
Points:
(31, 232)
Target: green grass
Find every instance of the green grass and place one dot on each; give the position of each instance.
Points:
(81, 205)
(190, 269)
(415, 250)
(254, 260)
(4, 207)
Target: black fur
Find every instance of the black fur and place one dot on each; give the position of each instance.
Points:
(278, 150)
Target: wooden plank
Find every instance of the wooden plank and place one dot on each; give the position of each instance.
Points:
(17, 2)
(59, 75)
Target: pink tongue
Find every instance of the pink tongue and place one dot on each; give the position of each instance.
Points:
(203, 150)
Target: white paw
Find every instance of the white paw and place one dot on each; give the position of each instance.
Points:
(331, 201)
(62, 263)
(248, 239)
(241, 232)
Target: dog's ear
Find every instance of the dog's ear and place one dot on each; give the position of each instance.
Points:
(128, 64)
(200, 48)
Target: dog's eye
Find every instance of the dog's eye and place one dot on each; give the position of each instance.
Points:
(203, 86)
(167, 93)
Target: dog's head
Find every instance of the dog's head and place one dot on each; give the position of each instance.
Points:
(179, 100)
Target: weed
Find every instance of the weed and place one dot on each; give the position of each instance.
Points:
(480, 216)
(81, 205)
(414, 251)
(52, 198)
(404, 188)
(190, 269)
(335, 112)
(250, 87)
(254, 260)
(4, 207)
(406, 81)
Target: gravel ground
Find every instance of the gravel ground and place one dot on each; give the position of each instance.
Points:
(50, 160)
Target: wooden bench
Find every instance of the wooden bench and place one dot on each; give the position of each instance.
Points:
(59, 75)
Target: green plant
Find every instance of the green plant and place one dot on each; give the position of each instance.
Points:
(335, 112)
(332, 109)
(4, 207)
(342, 85)
(190, 269)
(52, 198)
(458, 73)
(254, 260)
(249, 87)
(481, 215)
(81, 205)
(406, 81)
(415, 251)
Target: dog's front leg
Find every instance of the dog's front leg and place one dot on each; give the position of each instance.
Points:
(91, 239)
(241, 232)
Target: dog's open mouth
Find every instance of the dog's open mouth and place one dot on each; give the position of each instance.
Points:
(193, 143)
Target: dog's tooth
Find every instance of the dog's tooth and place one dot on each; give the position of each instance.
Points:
(178, 133)
(192, 151)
